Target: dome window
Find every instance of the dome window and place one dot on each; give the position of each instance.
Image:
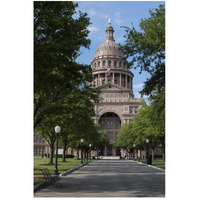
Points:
(104, 63)
(119, 64)
(109, 63)
(115, 63)
(110, 47)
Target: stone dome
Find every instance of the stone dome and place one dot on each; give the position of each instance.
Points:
(109, 47)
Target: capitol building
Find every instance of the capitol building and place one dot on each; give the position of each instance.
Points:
(115, 80)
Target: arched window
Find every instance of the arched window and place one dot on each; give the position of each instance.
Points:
(109, 63)
(120, 64)
(104, 63)
(99, 64)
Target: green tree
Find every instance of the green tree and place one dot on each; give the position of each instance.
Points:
(58, 38)
(148, 123)
(156, 123)
(47, 132)
(147, 49)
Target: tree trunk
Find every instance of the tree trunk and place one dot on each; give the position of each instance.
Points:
(78, 154)
(51, 154)
(64, 150)
(153, 153)
(163, 154)
(140, 154)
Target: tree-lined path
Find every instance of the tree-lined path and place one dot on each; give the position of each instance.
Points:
(110, 178)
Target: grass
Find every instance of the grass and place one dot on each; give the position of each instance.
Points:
(42, 163)
(157, 162)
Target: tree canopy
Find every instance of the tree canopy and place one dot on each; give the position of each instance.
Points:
(146, 48)
(57, 41)
(61, 93)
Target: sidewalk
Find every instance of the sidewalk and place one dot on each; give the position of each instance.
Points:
(110, 178)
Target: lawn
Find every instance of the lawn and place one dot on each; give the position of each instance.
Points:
(157, 162)
(41, 163)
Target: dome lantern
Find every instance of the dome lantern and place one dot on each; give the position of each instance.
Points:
(109, 32)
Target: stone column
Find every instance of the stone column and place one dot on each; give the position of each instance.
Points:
(126, 82)
(113, 77)
(98, 79)
(132, 84)
(105, 151)
(120, 80)
(105, 78)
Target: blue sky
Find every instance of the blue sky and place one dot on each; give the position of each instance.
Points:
(122, 13)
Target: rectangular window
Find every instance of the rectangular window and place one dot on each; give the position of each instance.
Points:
(111, 124)
(102, 124)
(131, 109)
(135, 110)
(108, 124)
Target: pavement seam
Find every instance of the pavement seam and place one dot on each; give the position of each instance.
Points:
(149, 165)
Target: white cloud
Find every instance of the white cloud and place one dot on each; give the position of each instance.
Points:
(92, 28)
(117, 14)
(92, 12)
(140, 85)
(117, 18)
(137, 95)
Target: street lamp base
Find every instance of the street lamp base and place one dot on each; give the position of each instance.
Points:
(55, 172)
(148, 161)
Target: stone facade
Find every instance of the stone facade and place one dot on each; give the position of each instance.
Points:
(40, 146)
(118, 105)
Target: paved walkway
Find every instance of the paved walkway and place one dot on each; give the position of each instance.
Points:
(110, 178)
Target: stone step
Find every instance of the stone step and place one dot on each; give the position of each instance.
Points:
(110, 157)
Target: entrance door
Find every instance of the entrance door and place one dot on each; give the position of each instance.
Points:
(109, 150)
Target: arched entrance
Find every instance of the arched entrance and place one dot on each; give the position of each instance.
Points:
(111, 123)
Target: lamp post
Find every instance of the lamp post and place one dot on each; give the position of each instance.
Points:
(57, 130)
(148, 159)
(90, 151)
(133, 152)
(82, 140)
